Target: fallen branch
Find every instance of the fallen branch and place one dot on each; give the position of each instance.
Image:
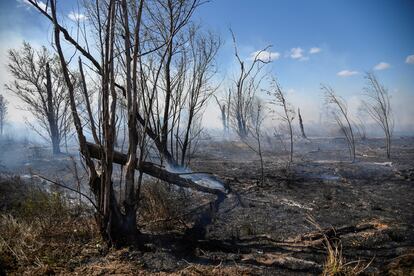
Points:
(335, 232)
(66, 187)
(281, 260)
(156, 171)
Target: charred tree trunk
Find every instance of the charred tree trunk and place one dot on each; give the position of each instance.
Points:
(302, 129)
(224, 118)
(187, 137)
(291, 142)
(116, 228)
(168, 93)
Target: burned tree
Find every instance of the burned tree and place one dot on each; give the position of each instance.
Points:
(224, 105)
(135, 63)
(302, 129)
(378, 106)
(40, 85)
(178, 78)
(341, 117)
(199, 89)
(288, 113)
(223, 113)
(3, 113)
(254, 126)
(245, 87)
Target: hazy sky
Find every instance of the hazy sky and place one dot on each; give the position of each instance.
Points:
(314, 42)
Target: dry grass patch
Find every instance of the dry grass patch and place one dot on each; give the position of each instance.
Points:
(163, 207)
(335, 263)
(41, 231)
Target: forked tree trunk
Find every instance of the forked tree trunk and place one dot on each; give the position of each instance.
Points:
(116, 228)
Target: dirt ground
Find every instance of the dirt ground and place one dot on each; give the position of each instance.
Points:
(279, 227)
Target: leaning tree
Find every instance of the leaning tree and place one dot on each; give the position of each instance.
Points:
(378, 106)
(140, 59)
(278, 99)
(339, 111)
(39, 83)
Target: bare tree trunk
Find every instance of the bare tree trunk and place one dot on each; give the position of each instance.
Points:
(291, 141)
(352, 139)
(54, 131)
(168, 90)
(259, 145)
(186, 138)
(302, 129)
(223, 113)
(132, 106)
(388, 144)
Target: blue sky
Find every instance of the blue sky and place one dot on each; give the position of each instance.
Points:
(351, 36)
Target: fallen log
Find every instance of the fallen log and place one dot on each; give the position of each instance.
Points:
(159, 172)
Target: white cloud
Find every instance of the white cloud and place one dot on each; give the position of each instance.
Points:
(264, 55)
(24, 2)
(40, 3)
(346, 73)
(74, 16)
(410, 59)
(382, 66)
(315, 50)
(296, 53)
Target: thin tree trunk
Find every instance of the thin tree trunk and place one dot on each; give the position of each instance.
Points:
(291, 141)
(54, 131)
(261, 159)
(302, 129)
